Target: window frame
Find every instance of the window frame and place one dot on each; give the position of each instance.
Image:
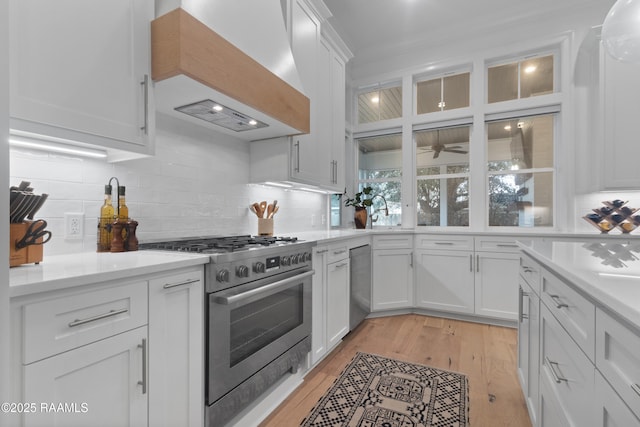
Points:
(441, 75)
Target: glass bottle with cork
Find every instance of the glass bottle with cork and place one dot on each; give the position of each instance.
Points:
(105, 222)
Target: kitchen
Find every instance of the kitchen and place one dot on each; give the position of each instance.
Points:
(187, 187)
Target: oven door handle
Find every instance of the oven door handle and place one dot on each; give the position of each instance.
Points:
(271, 288)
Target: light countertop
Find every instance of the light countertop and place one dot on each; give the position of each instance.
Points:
(64, 271)
(607, 271)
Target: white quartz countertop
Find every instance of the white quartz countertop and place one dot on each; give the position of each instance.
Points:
(607, 271)
(64, 271)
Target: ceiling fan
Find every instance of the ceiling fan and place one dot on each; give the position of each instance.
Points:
(438, 147)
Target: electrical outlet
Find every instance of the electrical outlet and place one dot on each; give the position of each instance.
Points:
(73, 225)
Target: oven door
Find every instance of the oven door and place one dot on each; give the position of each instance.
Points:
(251, 325)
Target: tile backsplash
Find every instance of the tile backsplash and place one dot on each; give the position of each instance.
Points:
(197, 184)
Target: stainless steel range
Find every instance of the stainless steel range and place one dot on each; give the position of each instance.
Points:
(258, 328)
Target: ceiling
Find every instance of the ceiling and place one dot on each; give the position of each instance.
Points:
(381, 27)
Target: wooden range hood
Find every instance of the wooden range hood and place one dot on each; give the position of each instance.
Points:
(191, 62)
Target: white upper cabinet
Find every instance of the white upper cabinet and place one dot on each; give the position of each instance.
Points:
(79, 71)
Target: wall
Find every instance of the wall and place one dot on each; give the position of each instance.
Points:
(197, 184)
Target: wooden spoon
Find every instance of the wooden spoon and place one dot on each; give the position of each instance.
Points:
(257, 210)
(263, 208)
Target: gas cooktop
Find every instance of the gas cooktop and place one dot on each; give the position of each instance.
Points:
(220, 244)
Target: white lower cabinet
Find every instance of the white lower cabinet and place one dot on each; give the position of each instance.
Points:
(115, 354)
(454, 277)
(610, 409)
(392, 269)
(567, 371)
(529, 347)
(445, 280)
(330, 299)
(104, 383)
(176, 350)
(337, 301)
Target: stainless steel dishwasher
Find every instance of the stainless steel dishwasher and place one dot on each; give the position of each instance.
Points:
(360, 304)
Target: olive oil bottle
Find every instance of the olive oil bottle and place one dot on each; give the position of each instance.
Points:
(123, 212)
(107, 215)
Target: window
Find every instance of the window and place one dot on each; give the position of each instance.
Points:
(380, 104)
(442, 170)
(521, 171)
(444, 93)
(380, 167)
(522, 79)
(335, 210)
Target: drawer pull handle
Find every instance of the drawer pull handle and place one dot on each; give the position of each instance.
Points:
(143, 382)
(636, 388)
(527, 269)
(111, 313)
(323, 251)
(344, 264)
(559, 304)
(443, 243)
(174, 285)
(505, 245)
(555, 375)
(339, 252)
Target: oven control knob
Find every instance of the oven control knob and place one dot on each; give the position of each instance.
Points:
(300, 258)
(307, 256)
(242, 271)
(259, 267)
(294, 259)
(222, 275)
(285, 260)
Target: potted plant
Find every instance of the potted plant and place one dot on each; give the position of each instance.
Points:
(360, 201)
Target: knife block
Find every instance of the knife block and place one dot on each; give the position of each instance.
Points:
(30, 254)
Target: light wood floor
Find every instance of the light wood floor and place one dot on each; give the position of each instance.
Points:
(486, 354)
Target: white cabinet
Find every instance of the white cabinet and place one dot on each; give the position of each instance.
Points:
(567, 371)
(176, 349)
(330, 299)
(316, 158)
(392, 269)
(103, 383)
(79, 71)
(610, 409)
(529, 347)
(444, 280)
(87, 349)
(468, 275)
(620, 108)
(337, 301)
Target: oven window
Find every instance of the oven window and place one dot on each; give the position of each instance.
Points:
(257, 324)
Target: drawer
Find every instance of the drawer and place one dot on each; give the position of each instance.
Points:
(444, 242)
(530, 272)
(337, 253)
(393, 242)
(618, 358)
(567, 371)
(60, 324)
(574, 312)
(610, 408)
(499, 244)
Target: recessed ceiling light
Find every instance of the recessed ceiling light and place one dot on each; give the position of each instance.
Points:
(375, 99)
(530, 69)
(218, 107)
(253, 122)
(507, 127)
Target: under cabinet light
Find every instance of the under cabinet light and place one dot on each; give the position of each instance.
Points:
(314, 190)
(278, 184)
(55, 146)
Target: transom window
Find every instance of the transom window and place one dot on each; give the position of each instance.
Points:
(521, 79)
(442, 93)
(380, 104)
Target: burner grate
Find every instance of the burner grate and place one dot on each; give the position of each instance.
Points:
(223, 244)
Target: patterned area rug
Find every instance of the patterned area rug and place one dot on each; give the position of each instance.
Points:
(375, 391)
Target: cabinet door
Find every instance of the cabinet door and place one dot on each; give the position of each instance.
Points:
(611, 409)
(305, 34)
(337, 302)
(620, 89)
(176, 350)
(566, 370)
(444, 280)
(324, 131)
(318, 310)
(529, 347)
(338, 108)
(392, 279)
(77, 70)
(496, 291)
(103, 383)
